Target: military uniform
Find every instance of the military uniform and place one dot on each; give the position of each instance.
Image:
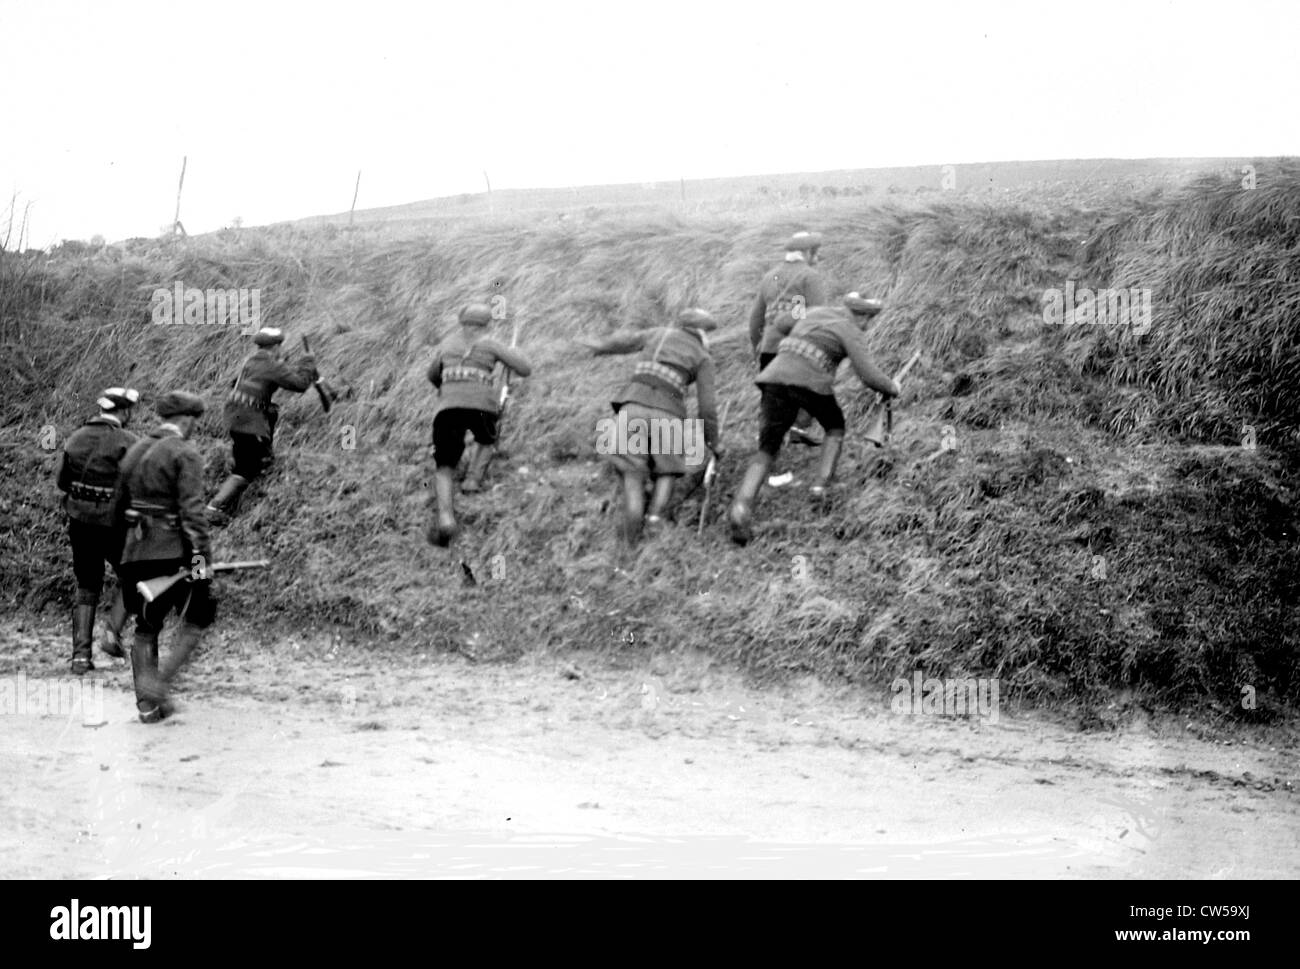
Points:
(671, 359)
(793, 284)
(160, 494)
(468, 400)
(800, 378)
(250, 415)
(88, 475)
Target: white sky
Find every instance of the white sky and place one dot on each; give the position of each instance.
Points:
(278, 104)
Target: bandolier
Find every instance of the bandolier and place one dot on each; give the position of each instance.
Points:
(801, 377)
(672, 358)
(461, 370)
(250, 415)
(88, 475)
(160, 495)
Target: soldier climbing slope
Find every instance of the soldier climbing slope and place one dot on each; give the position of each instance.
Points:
(250, 415)
(801, 376)
(672, 358)
(785, 295)
(87, 475)
(160, 495)
(461, 370)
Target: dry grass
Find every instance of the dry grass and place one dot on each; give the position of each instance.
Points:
(981, 560)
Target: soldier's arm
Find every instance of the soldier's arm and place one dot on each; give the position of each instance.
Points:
(121, 493)
(297, 376)
(434, 373)
(757, 319)
(513, 359)
(624, 341)
(867, 372)
(63, 474)
(190, 504)
(706, 394)
(816, 292)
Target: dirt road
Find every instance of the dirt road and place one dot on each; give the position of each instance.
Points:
(306, 758)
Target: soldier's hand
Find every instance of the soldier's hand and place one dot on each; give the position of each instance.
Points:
(898, 389)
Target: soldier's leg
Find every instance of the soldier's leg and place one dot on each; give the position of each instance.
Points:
(828, 414)
(660, 498)
(247, 462)
(777, 411)
(485, 437)
(634, 482)
(448, 446)
(197, 614)
(117, 616)
(88, 567)
(144, 648)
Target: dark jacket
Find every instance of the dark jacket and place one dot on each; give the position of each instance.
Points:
(462, 371)
(249, 408)
(162, 480)
(771, 317)
(825, 336)
(89, 467)
(684, 360)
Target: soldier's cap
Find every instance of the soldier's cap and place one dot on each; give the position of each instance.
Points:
(803, 242)
(862, 306)
(118, 398)
(697, 319)
(180, 403)
(268, 336)
(476, 314)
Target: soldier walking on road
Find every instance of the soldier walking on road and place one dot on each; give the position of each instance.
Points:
(461, 370)
(87, 475)
(784, 297)
(250, 415)
(672, 358)
(160, 495)
(801, 376)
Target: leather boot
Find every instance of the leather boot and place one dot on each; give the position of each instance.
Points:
(112, 642)
(444, 528)
(83, 633)
(188, 638)
(633, 507)
(659, 501)
(473, 482)
(830, 457)
(225, 502)
(741, 514)
(149, 689)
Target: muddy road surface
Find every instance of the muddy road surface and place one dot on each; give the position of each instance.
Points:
(306, 758)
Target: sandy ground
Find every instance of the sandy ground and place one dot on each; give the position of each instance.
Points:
(304, 759)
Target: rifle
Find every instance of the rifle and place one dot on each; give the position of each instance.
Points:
(710, 475)
(151, 589)
(881, 418)
(503, 396)
(323, 390)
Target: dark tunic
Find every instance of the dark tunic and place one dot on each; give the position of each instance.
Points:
(462, 368)
(785, 286)
(249, 409)
(162, 480)
(813, 351)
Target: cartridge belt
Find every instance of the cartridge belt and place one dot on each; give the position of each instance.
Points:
(85, 492)
(661, 371)
(466, 375)
(809, 351)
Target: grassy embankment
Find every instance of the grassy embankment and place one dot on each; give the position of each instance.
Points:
(1098, 529)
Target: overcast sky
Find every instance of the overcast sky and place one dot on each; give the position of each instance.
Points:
(279, 104)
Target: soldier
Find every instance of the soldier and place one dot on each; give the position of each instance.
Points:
(461, 370)
(160, 495)
(801, 376)
(250, 416)
(787, 292)
(672, 358)
(87, 475)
